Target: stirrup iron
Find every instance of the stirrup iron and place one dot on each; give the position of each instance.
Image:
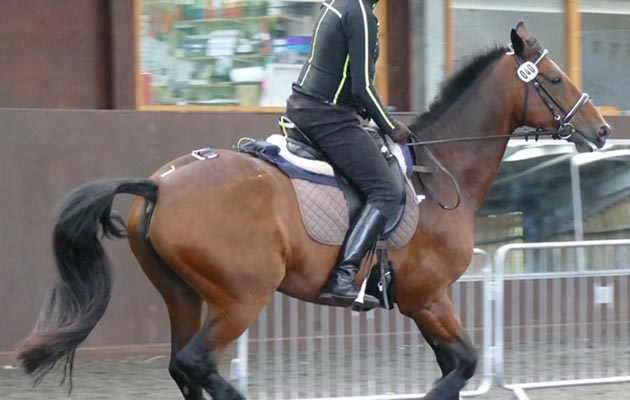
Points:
(358, 303)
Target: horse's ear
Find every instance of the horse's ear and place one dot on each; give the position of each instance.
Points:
(517, 43)
(522, 31)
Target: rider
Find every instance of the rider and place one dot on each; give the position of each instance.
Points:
(335, 86)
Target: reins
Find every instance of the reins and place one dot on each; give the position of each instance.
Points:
(440, 167)
(418, 169)
(556, 135)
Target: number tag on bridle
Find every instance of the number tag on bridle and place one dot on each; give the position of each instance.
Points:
(527, 72)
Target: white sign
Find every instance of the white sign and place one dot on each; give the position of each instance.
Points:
(527, 72)
(603, 295)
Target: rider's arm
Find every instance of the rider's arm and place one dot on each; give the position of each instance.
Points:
(362, 35)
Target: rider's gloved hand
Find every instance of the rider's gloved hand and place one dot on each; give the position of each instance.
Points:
(401, 133)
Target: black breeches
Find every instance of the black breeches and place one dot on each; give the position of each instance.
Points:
(337, 131)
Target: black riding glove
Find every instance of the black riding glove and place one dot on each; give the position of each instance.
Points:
(401, 133)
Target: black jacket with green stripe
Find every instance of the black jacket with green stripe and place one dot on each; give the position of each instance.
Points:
(341, 66)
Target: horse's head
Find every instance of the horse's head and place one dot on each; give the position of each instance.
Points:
(547, 99)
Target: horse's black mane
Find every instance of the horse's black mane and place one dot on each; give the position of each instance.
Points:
(455, 86)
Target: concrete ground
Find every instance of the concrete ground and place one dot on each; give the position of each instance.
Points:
(145, 376)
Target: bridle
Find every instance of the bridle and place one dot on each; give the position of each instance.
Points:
(528, 73)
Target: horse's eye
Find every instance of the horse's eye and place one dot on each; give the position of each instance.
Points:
(556, 81)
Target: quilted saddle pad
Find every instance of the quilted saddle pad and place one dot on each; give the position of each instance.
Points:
(325, 214)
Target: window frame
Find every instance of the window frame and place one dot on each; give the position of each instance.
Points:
(381, 75)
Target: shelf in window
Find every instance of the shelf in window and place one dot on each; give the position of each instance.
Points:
(210, 85)
(234, 57)
(192, 23)
(215, 102)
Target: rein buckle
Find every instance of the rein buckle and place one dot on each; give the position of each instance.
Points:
(565, 131)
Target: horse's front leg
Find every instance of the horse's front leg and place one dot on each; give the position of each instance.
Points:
(453, 349)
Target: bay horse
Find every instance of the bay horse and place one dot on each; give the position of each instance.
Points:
(227, 231)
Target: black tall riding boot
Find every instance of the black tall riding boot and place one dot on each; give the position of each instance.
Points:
(341, 288)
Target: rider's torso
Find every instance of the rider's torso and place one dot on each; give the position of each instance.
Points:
(326, 75)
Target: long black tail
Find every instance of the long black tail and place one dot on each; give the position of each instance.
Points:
(82, 293)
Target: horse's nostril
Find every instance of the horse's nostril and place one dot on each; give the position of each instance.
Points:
(604, 131)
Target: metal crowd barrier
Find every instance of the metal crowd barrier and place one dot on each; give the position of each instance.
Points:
(568, 325)
(560, 317)
(302, 351)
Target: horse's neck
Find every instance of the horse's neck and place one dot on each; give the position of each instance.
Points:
(483, 110)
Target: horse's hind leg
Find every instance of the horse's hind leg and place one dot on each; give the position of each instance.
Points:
(453, 349)
(184, 311)
(183, 304)
(199, 357)
(199, 360)
(185, 314)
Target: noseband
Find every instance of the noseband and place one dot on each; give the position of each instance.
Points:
(528, 73)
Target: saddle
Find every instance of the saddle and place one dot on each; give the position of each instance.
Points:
(329, 202)
(301, 146)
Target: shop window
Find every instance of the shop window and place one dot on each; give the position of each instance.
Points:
(222, 52)
(481, 24)
(606, 53)
(477, 25)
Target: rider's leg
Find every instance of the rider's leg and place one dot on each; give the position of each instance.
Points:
(337, 131)
(341, 287)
